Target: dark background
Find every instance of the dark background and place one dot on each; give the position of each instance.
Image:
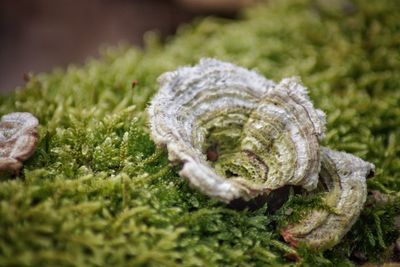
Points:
(38, 35)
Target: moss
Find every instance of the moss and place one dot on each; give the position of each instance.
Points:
(98, 193)
(297, 207)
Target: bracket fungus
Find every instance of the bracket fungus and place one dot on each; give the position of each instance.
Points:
(239, 135)
(342, 178)
(18, 140)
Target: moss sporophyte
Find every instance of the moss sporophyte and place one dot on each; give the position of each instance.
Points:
(99, 192)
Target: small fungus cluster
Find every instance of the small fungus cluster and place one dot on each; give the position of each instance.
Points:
(262, 136)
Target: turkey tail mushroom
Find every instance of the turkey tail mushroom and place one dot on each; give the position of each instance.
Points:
(266, 134)
(239, 135)
(343, 176)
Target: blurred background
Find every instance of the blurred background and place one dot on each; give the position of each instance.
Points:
(37, 36)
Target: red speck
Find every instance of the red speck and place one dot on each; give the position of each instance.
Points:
(134, 83)
(26, 77)
(289, 238)
(212, 155)
(292, 257)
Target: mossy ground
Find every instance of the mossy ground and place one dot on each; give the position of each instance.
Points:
(98, 193)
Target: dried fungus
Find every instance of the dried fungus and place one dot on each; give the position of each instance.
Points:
(239, 135)
(342, 177)
(18, 140)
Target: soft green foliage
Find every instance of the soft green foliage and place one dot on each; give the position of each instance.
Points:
(297, 206)
(98, 193)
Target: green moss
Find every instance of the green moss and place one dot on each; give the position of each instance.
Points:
(98, 193)
(297, 207)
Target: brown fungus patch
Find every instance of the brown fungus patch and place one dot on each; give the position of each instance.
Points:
(18, 140)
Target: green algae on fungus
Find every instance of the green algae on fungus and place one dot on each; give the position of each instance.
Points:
(97, 192)
(343, 177)
(277, 131)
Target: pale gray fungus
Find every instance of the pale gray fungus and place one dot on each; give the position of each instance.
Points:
(343, 177)
(239, 135)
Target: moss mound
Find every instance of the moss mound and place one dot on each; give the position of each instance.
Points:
(98, 193)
